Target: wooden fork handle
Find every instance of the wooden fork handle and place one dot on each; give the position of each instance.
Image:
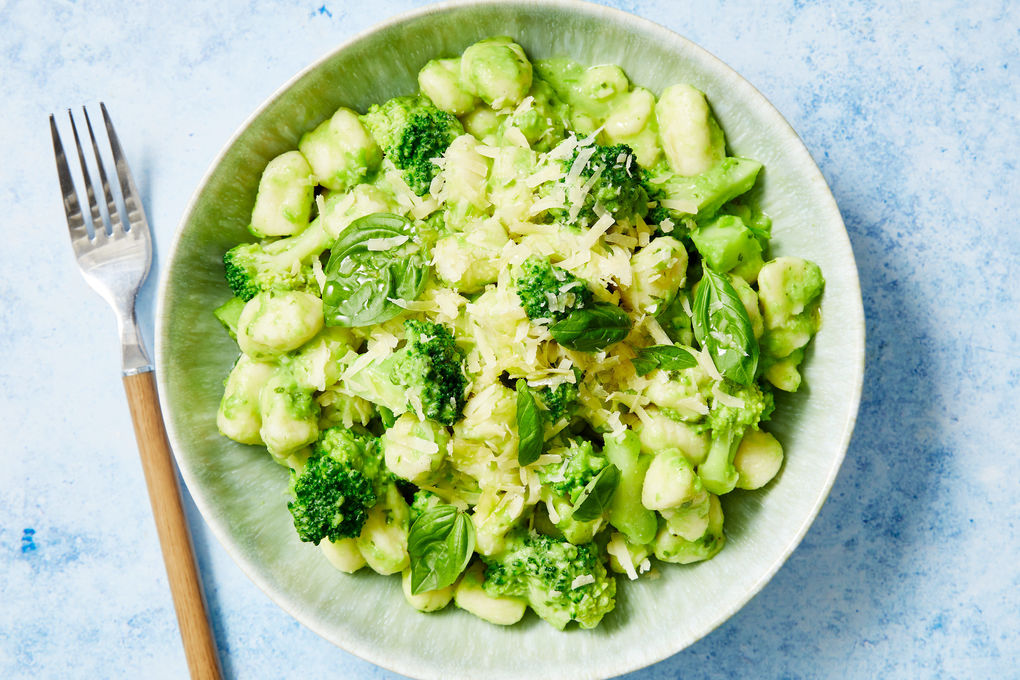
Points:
(174, 537)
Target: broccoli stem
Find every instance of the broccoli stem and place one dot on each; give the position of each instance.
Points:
(718, 474)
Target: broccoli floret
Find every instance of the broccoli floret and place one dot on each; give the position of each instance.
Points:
(618, 188)
(338, 485)
(562, 582)
(758, 407)
(426, 373)
(580, 464)
(434, 364)
(561, 400)
(412, 132)
(549, 292)
(423, 500)
(284, 264)
(727, 425)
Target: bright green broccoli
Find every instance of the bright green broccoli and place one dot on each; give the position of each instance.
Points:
(427, 373)
(727, 425)
(561, 400)
(561, 581)
(423, 500)
(412, 132)
(284, 264)
(549, 292)
(338, 486)
(615, 184)
(580, 464)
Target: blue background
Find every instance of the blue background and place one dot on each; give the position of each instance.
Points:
(911, 111)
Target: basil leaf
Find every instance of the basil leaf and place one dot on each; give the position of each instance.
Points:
(595, 498)
(440, 545)
(591, 329)
(666, 357)
(530, 430)
(722, 327)
(363, 275)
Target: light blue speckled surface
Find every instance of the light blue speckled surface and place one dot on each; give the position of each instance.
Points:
(912, 114)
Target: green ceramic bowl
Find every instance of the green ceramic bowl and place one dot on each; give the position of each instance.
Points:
(241, 491)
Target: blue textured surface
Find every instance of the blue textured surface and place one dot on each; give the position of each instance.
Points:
(912, 113)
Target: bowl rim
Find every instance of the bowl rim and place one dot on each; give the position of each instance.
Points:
(632, 22)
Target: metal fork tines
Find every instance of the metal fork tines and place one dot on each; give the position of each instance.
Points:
(115, 258)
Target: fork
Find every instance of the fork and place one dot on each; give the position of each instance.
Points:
(115, 264)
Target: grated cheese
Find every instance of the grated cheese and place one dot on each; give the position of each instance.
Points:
(707, 365)
(655, 330)
(543, 204)
(415, 401)
(380, 244)
(581, 581)
(618, 549)
(583, 156)
(516, 137)
(524, 106)
(423, 445)
(487, 151)
(549, 173)
(680, 205)
(727, 399)
(621, 239)
(685, 304)
(320, 276)
(414, 305)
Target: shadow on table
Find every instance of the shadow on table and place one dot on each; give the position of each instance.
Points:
(839, 590)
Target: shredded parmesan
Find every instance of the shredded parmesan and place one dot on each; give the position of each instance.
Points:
(583, 156)
(655, 330)
(380, 244)
(582, 580)
(601, 226)
(524, 106)
(727, 399)
(516, 137)
(415, 401)
(590, 139)
(413, 305)
(685, 304)
(621, 239)
(618, 549)
(320, 276)
(543, 204)
(487, 151)
(707, 365)
(563, 150)
(547, 174)
(680, 205)
(422, 445)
